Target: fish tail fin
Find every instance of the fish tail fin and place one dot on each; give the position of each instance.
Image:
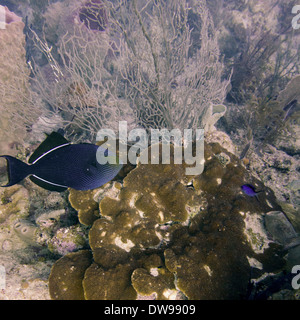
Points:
(16, 170)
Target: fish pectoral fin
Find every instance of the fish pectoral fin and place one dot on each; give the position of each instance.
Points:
(52, 141)
(47, 185)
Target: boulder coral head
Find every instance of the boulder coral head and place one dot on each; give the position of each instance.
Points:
(93, 15)
(166, 235)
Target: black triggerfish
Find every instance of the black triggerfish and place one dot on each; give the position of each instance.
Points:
(57, 165)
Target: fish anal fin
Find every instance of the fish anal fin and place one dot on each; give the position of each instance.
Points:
(53, 140)
(47, 185)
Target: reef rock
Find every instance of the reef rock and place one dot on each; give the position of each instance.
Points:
(24, 280)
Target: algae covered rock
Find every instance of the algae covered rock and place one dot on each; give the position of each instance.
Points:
(280, 228)
(66, 240)
(14, 202)
(24, 280)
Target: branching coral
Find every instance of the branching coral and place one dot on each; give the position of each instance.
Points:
(268, 53)
(148, 67)
(274, 122)
(170, 82)
(285, 111)
(83, 93)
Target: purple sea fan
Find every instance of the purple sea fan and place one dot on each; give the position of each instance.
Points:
(93, 15)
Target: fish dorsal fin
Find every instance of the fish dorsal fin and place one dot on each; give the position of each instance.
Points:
(52, 141)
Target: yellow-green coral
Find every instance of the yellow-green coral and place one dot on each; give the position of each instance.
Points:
(101, 284)
(83, 202)
(153, 198)
(154, 278)
(65, 281)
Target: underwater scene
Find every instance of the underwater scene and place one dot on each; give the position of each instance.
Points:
(149, 150)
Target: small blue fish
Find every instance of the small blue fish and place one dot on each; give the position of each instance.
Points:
(250, 191)
(57, 165)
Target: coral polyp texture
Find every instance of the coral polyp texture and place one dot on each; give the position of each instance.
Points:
(166, 235)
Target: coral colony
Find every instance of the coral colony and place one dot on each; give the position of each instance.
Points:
(152, 224)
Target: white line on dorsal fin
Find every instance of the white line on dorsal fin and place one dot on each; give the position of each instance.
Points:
(63, 145)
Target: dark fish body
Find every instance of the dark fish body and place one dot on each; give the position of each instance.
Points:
(66, 165)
